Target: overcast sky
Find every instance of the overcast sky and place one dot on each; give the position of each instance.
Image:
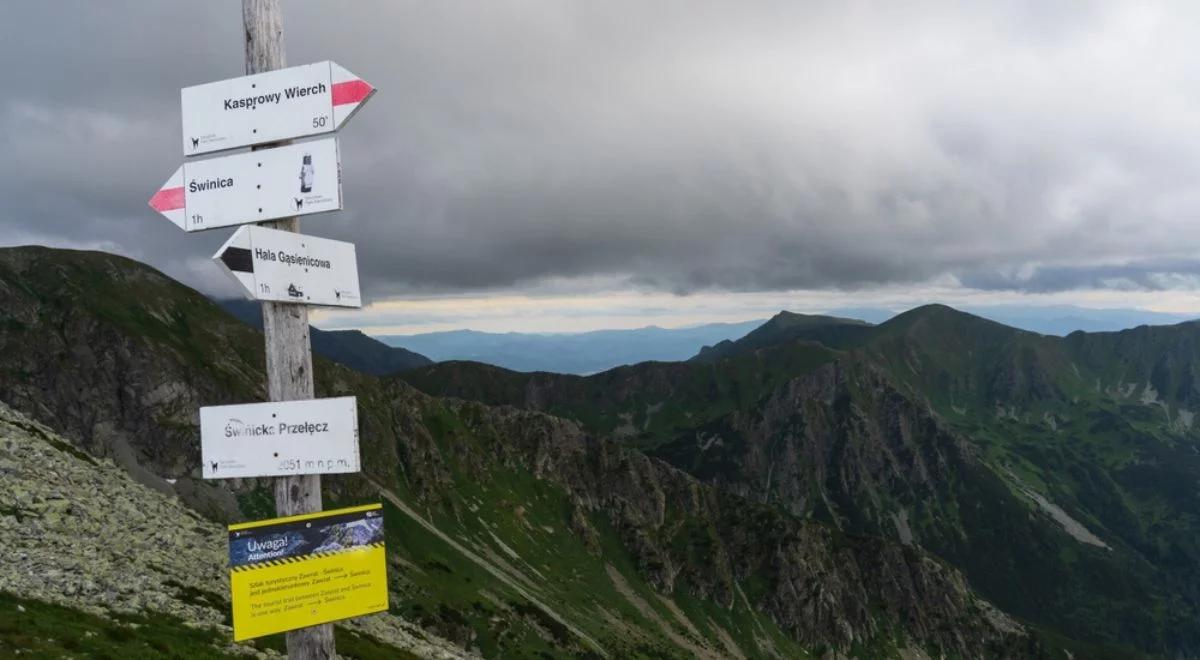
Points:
(607, 164)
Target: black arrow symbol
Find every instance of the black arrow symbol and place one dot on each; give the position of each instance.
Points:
(239, 260)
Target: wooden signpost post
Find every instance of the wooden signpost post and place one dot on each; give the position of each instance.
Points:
(289, 354)
(275, 182)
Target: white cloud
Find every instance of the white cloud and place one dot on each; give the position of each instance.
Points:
(516, 311)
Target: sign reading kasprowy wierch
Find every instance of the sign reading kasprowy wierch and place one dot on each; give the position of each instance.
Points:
(298, 571)
(269, 107)
(299, 179)
(288, 267)
(312, 436)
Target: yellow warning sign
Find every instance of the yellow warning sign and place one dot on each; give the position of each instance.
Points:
(288, 573)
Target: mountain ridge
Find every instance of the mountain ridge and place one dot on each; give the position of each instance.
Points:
(1057, 320)
(784, 326)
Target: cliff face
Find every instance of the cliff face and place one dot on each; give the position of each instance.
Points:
(840, 434)
(825, 588)
(509, 531)
(843, 444)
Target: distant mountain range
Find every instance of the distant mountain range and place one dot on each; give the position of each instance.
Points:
(577, 353)
(1060, 320)
(592, 352)
(351, 348)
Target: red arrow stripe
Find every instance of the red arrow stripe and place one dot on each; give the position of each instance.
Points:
(351, 91)
(167, 199)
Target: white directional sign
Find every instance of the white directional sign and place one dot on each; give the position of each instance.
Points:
(299, 179)
(287, 267)
(268, 107)
(316, 436)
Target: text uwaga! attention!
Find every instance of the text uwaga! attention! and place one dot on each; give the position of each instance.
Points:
(252, 102)
(260, 550)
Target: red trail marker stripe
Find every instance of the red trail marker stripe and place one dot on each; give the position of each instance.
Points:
(351, 91)
(167, 199)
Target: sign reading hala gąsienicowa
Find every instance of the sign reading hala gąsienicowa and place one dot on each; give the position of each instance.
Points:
(284, 266)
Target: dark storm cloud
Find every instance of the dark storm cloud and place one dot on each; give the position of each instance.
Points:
(677, 145)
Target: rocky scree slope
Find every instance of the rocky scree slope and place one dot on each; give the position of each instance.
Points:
(80, 533)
